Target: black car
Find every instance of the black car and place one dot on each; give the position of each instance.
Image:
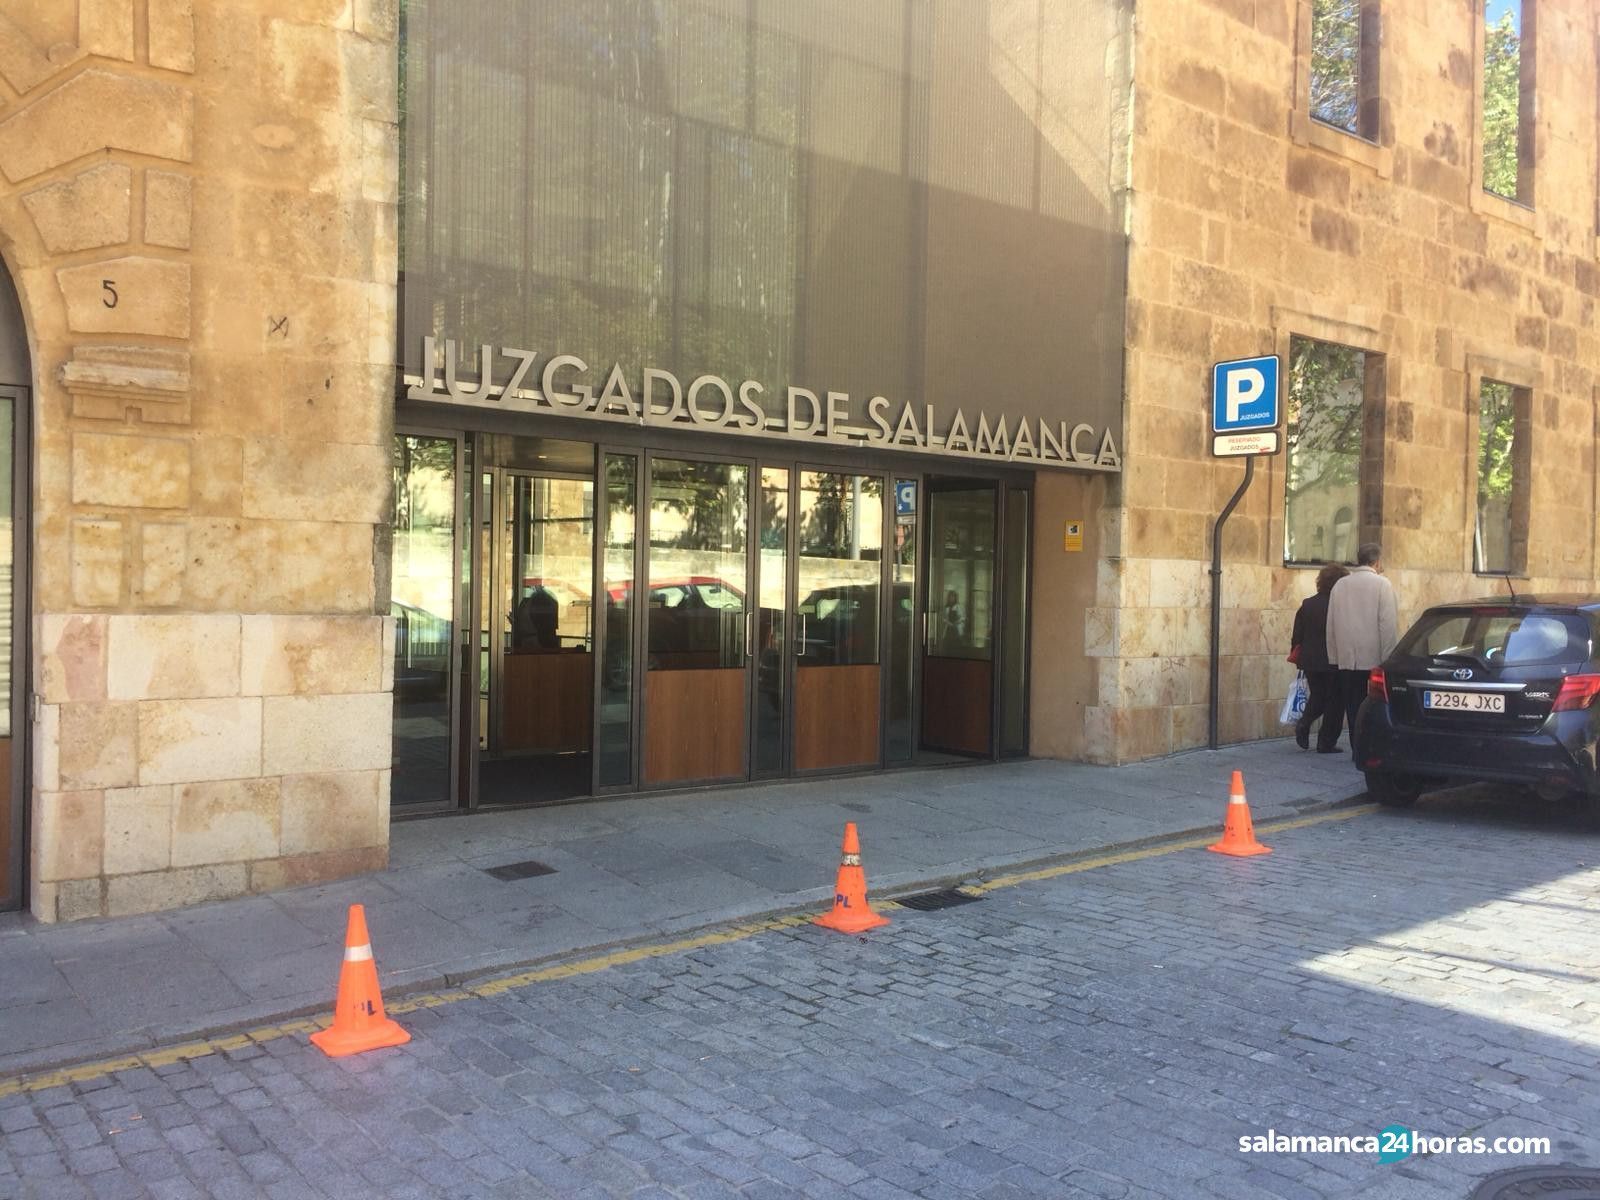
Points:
(1491, 690)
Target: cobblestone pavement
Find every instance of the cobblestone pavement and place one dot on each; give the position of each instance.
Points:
(1109, 1032)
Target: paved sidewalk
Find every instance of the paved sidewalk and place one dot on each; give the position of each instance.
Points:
(624, 870)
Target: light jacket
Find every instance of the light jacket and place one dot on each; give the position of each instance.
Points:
(1363, 621)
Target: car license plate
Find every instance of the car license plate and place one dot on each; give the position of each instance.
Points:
(1477, 702)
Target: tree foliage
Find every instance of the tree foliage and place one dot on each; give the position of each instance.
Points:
(1325, 412)
(1496, 435)
(1502, 102)
(1336, 62)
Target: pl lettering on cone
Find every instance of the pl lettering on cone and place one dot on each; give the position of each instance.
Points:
(850, 913)
(358, 1020)
(1238, 832)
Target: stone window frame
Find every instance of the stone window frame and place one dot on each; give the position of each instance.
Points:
(1376, 152)
(1526, 377)
(1524, 210)
(1359, 329)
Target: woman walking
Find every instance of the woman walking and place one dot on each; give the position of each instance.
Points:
(1309, 649)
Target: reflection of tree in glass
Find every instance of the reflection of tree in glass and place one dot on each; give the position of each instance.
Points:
(1502, 83)
(619, 499)
(418, 459)
(710, 496)
(1496, 430)
(826, 527)
(774, 516)
(830, 514)
(1325, 385)
(1336, 62)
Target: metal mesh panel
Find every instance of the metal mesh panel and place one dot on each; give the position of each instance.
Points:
(882, 197)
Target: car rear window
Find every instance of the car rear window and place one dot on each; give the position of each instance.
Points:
(1503, 637)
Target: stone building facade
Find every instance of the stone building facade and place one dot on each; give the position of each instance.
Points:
(199, 209)
(1252, 224)
(197, 206)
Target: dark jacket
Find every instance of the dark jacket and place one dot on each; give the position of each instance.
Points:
(1311, 633)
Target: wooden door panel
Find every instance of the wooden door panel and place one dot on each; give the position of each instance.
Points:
(957, 695)
(836, 717)
(694, 725)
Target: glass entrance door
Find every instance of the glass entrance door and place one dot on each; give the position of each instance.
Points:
(958, 638)
(536, 726)
(698, 619)
(837, 642)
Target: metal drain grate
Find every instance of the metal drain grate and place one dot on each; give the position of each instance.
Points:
(934, 901)
(519, 870)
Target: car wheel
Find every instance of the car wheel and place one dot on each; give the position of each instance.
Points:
(1393, 791)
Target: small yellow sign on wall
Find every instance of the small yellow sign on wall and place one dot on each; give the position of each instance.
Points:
(1072, 541)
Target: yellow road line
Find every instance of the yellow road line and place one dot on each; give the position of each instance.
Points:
(1156, 851)
(201, 1048)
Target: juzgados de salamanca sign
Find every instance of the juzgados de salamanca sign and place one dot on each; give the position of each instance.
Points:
(566, 385)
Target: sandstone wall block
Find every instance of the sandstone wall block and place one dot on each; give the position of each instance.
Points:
(72, 658)
(168, 209)
(127, 471)
(89, 211)
(312, 734)
(226, 821)
(191, 656)
(66, 836)
(98, 746)
(333, 811)
(289, 656)
(133, 294)
(138, 830)
(192, 741)
(127, 895)
(97, 110)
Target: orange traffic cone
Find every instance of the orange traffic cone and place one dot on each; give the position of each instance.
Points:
(850, 913)
(1238, 833)
(358, 1020)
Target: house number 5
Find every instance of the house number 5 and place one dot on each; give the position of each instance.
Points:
(109, 286)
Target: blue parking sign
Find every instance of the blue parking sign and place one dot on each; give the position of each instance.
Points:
(1244, 395)
(905, 497)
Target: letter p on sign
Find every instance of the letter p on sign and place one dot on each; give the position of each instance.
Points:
(1244, 386)
(1244, 395)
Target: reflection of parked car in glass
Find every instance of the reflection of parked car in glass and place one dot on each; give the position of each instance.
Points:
(839, 627)
(421, 650)
(701, 590)
(696, 621)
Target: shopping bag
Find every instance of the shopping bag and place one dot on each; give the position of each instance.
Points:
(1294, 704)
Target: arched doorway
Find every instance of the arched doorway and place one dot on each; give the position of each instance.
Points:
(16, 378)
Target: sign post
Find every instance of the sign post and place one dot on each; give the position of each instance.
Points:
(1245, 413)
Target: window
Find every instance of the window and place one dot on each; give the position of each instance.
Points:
(1508, 90)
(1502, 636)
(1500, 538)
(1328, 414)
(1344, 65)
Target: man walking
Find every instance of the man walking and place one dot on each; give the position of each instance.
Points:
(1363, 627)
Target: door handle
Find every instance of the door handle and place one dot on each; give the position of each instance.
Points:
(800, 642)
(749, 635)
